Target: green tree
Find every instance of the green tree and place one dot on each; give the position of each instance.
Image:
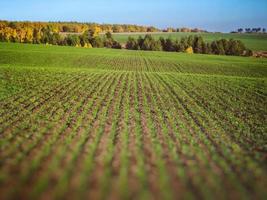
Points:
(140, 41)
(226, 46)
(169, 45)
(83, 40)
(66, 28)
(163, 43)
(176, 45)
(109, 35)
(198, 44)
(72, 40)
(190, 41)
(236, 47)
(108, 40)
(218, 48)
(156, 45)
(183, 44)
(147, 42)
(116, 45)
(97, 42)
(55, 39)
(36, 36)
(46, 35)
(207, 48)
(132, 44)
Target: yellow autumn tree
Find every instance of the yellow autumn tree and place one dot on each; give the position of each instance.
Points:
(87, 45)
(96, 30)
(8, 34)
(28, 35)
(189, 50)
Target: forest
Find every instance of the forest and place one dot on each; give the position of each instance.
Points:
(87, 35)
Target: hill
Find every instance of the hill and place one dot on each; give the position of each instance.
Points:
(102, 123)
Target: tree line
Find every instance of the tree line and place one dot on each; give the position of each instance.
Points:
(47, 35)
(190, 44)
(90, 38)
(250, 30)
(77, 27)
(74, 27)
(184, 30)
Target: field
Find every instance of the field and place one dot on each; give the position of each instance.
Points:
(256, 42)
(115, 124)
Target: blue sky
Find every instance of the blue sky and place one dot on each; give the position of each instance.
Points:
(213, 15)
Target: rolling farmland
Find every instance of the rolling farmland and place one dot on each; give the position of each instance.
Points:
(115, 124)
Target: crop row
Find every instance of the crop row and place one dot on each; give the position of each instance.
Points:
(133, 135)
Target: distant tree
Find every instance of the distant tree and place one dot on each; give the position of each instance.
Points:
(140, 41)
(185, 30)
(248, 30)
(36, 36)
(55, 39)
(93, 38)
(184, 44)
(147, 41)
(108, 43)
(116, 45)
(225, 44)
(240, 30)
(66, 28)
(72, 40)
(88, 45)
(170, 30)
(92, 32)
(207, 49)
(217, 48)
(84, 41)
(150, 29)
(163, 43)
(13, 25)
(108, 40)
(254, 30)
(63, 42)
(28, 35)
(156, 45)
(117, 29)
(169, 45)
(96, 42)
(132, 44)
(46, 35)
(189, 50)
(5, 34)
(190, 40)
(176, 46)
(236, 47)
(109, 35)
(264, 30)
(221, 48)
(198, 44)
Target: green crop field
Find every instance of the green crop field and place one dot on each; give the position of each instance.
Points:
(115, 124)
(256, 42)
